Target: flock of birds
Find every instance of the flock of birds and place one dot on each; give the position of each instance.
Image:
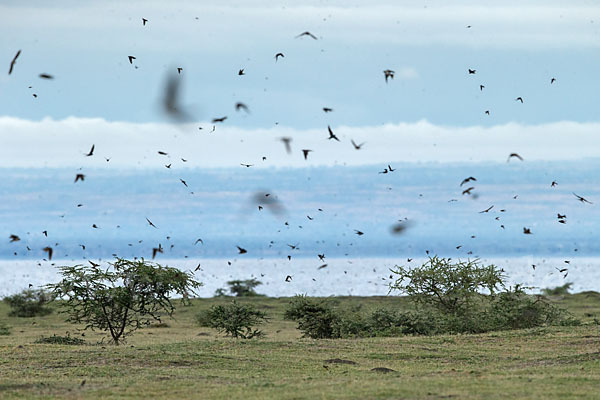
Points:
(176, 111)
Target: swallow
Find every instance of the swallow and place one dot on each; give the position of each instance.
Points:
(321, 257)
(278, 55)
(222, 119)
(82, 246)
(49, 251)
(581, 199)
(554, 183)
(293, 247)
(184, 182)
(514, 155)
(527, 231)
(288, 278)
(390, 168)
(241, 72)
(93, 264)
(487, 112)
(198, 241)
(168, 166)
(327, 109)
(156, 250)
(305, 152)
(131, 58)
(468, 191)
(170, 100)
(331, 134)
(179, 69)
(561, 216)
(466, 180)
(162, 153)
(95, 226)
(309, 217)
(286, 141)
(144, 20)
(385, 171)
(14, 238)
(552, 80)
(79, 177)
(246, 165)
(151, 224)
(519, 99)
(481, 87)
(241, 250)
(486, 210)
(388, 74)
(45, 233)
(357, 146)
(13, 62)
(46, 76)
(91, 152)
(307, 33)
(241, 106)
(359, 233)
(472, 71)
(322, 266)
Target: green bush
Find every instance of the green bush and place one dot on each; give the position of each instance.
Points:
(386, 322)
(4, 329)
(316, 319)
(558, 291)
(236, 320)
(29, 303)
(67, 340)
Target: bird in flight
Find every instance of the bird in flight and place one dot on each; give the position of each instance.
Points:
(286, 141)
(14, 238)
(469, 179)
(481, 87)
(49, 251)
(46, 76)
(359, 233)
(222, 119)
(246, 165)
(288, 278)
(581, 199)
(390, 168)
(198, 241)
(144, 20)
(151, 224)
(486, 210)
(156, 250)
(554, 183)
(305, 152)
(388, 74)
(527, 231)
(487, 112)
(519, 99)
(131, 58)
(327, 109)
(79, 177)
(278, 55)
(13, 62)
(91, 152)
(514, 155)
(357, 146)
(472, 71)
(241, 106)
(184, 182)
(170, 101)
(552, 80)
(179, 69)
(468, 191)
(241, 250)
(307, 33)
(331, 134)
(241, 72)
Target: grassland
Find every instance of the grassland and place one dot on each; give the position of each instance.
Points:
(183, 361)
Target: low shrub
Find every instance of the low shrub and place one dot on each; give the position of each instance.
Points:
(316, 319)
(4, 329)
(236, 320)
(29, 303)
(558, 291)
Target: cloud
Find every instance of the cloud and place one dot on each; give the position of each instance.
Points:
(64, 143)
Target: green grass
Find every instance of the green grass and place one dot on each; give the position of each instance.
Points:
(182, 360)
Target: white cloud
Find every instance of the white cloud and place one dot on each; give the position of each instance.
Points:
(52, 143)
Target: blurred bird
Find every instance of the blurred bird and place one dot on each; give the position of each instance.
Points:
(241, 250)
(91, 152)
(466, 180)
(331, 134)
(519, 99)
(79, 177)
(131, 58)
(13, 62)
(278, 55)
(48, 251)
(307, 33)
(388, 74)
(581, 199)
(514, 155)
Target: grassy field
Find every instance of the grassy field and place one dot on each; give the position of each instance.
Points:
(184, 361)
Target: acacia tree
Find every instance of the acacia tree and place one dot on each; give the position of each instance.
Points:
(123, 298)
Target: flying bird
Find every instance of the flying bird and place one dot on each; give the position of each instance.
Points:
(305, 152)
(400, 227)
(46, 76)
(472, 71)
(162, 153)
(487, 112)
(241, 250)
(131, 58)
(514, 155)
(331, 134)
(49, 251)
(469, 179)
(151, 224)
(278, 55)
(357, 146)
(359, 233)
(554, 183)
(390, 168)
(322, 266)
(13, 62)
(156, 250)
(327, 109)
(288, 278)
(519, 99)
(581, 199)
(222, 119)
(286, 141)
(388, 74)
(527, 231)
(481, 87)
(241, 106)
(241, 72)
(14, 238)
(468, 191)
(179, 69)
(306, 33)
(170, 101)
(79, 177)
(486, 210)
(552, 80)
(144, 20)
(246, 165)
(184, 182)
(91, 153)
(198, 241)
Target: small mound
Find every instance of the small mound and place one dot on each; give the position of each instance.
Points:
(67, 340)
(383, 370)
(340, 361)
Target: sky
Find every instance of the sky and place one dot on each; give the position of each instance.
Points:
(428, 123)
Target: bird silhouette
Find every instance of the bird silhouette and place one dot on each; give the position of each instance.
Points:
(246, 165)
(389, 74)
(305, 152)
(357, 146)
(466, 180)
(581, 199)
(241, 250)
(13, 62)
(472, 71)
(306, 33)
(241, 106)
(131, 58)
(468, 191)
(79, 177)
(278, 55)
(359, 233)
(552, 80)
(554, 183)
(170, 100)
(46, 76)
(156, 250)
(216, 120)
(144, 20)
(288, 278)
(184, 182)
(390, 168)
(91, 152)
(179, 69)
(486, 210)
(48, 251)
(241, 72)
(151, 224)
(198, 241)
(331, 134)
(286, 141)
(519, 99)
(487, 112)
(327, 109)
(14, 238)
(481, 87)
(527, 231)
(514, 155)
